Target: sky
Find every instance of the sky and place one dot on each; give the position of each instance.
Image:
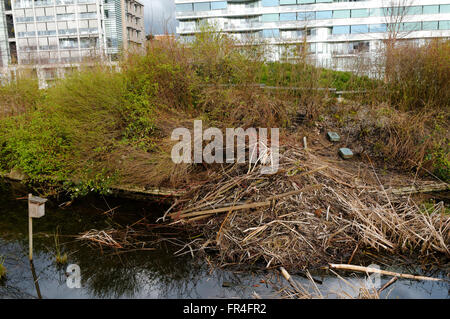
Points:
(159, 16)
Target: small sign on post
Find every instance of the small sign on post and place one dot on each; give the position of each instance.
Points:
(36, 209)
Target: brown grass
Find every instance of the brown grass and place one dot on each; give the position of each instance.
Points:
(19, 96)
(313, 228)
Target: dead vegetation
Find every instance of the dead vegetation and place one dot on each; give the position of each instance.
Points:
(315, 210)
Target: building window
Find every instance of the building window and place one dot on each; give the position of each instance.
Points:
(341, 14)
(360, 28)
(185, 7)
(360, 13)
(357, 47)
(270, 17)
(303, 16)
(86, 43)
(378, 27)
(87, 15)
(270, 3)
(65, 16)
(444, 25)
(444, 8)
(414, 10)
(376, 12)
(341, 29)
(283, 2)
(430, 25)
(410, 26)
(68, 43)
(292, 16)
(271, 33)
(39, 3)
(430, 9)
(202, 6)
(218, 5)
(324, 15)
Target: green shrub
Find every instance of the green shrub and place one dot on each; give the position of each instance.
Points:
(37, 144)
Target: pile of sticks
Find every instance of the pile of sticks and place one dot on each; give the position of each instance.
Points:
(313, 211)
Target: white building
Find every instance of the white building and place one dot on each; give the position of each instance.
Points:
(51, 36)
(335, 30)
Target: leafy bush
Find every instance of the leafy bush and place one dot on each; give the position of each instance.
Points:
(37, 144)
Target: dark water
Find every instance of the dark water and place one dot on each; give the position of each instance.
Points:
(137, 274)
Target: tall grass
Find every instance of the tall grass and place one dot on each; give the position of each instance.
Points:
(418, 77)
(19, 96)
(98, 127)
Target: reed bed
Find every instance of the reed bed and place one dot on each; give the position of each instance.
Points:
(313, 211)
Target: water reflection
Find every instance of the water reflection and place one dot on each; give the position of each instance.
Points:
(104, 273)
(138, 274)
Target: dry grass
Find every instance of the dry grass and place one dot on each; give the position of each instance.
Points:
(352, 210)
(418, 77)
(405, 140)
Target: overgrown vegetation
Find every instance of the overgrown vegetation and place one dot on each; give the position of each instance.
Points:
(100, 127)
(19, 96)
(418, 77)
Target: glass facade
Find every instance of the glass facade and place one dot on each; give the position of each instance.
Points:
(320, 15)
(326, 21)
(202, 6)
(341, 29)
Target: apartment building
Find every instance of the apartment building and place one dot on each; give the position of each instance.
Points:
(51, 36)
(335, 31)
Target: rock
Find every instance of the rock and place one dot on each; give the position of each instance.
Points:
(17, 175)
(358, 149)
(345, 153)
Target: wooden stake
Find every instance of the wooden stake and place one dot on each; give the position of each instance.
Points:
(30, 235)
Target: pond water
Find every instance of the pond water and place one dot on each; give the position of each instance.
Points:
(138, 274)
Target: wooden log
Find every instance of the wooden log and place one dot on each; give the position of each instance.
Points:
(425, 188)
(125, 191)
(133, 190)
(382, 272)
(177, 215)
(225, 209)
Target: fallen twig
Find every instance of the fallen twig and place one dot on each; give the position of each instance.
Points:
(382, 272)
